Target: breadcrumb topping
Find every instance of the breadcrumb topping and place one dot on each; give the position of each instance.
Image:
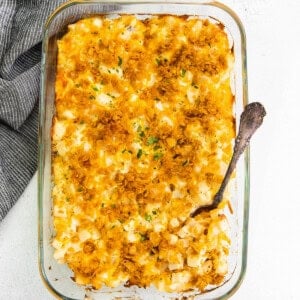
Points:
(142, 131)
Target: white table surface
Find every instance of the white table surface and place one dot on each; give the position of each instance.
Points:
(273, 36)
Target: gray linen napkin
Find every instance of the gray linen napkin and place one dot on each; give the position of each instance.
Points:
(21, 24)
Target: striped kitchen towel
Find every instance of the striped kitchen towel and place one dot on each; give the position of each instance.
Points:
(21, 24)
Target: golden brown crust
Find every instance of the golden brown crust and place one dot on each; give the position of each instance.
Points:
(143, 127)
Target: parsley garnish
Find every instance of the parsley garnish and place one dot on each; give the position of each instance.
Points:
(110, 95)
(125, 150)
(143, 237)
(120, 61)
(182, 72)
(157, 155)
(140, 131)
(185, 163)
(152, 140)
(148, 218)
(158, 61)
(139, 154)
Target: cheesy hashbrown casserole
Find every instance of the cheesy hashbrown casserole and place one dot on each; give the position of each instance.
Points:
(142, 135)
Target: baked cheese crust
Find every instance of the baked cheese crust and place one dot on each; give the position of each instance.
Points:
(142, 135)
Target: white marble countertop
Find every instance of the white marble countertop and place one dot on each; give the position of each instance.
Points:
(273, 38)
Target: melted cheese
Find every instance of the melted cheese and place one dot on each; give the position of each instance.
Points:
(142, 131)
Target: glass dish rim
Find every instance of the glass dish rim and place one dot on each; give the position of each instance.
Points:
(246, 191)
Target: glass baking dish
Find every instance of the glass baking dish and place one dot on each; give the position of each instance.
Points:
(57, 277)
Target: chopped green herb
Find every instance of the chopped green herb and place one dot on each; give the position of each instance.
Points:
(110, 95)
(142, 134)
(78, 85)
(147, 128)
(158, 61)
(109, 71)
(81, 122)
(113, 206)
(148, 218)
(79, 189)
(112, 227)
(139, 154)
(156, 147)
(92, 97)
(157, 155)
(195, 86)
(182, 72)
(143, 237)
(152, 140)
(119, 61)
(102, 205)
(185, 162)
(139, 128)
(154, 212)
(125, 150)
(95, 88)
(67, 199)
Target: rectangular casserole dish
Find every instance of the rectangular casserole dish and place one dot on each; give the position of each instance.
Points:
(58, 278)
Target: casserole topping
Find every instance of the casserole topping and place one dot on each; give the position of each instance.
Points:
(142, 135)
